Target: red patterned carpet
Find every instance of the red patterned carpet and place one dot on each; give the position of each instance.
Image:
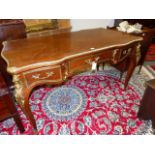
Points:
(86, 104)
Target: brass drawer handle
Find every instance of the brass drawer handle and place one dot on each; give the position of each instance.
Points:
(97, 58)
(37, 76)
(88, 61)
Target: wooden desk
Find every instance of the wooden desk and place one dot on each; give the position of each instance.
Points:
(52, 59)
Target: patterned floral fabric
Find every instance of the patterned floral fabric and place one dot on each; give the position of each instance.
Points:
(89, 103)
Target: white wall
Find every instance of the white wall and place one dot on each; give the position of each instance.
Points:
(80, 24)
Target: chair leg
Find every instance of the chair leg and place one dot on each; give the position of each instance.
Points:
(19, 123)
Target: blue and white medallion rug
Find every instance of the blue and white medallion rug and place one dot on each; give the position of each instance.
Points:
(64, 103)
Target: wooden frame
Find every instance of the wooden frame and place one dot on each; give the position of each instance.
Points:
(63, 26)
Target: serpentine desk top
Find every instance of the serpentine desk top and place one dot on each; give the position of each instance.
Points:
(29, 53)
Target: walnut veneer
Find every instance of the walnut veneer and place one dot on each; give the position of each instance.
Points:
(53, 59)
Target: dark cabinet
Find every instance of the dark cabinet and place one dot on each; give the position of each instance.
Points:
(10, 29)
(147, 107)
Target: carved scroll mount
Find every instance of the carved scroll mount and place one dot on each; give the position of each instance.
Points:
(19, 95)
(66, 73)
(114, 59)
(138, 52)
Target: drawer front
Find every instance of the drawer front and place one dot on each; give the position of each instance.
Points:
(103, 56)
(124, 53)
(80, 64)
(52, 74)
(120, 54)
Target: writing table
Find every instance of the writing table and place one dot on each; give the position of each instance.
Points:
(53, 59)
